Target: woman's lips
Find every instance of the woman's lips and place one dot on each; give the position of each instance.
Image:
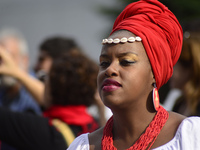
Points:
(110, 85)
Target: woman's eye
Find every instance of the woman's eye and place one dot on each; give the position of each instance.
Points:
(104, 64)
(126, 62)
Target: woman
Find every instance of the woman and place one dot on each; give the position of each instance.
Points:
(186, 77)
(135, 61)
(70, 88)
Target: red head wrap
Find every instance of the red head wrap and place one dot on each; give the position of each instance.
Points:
(160, 31)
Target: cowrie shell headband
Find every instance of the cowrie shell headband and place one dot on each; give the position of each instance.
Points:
(122, 40)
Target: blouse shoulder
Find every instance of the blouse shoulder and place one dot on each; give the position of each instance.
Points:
(80, 143)
(186, 137)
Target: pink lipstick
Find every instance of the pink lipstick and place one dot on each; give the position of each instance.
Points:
(110, 85)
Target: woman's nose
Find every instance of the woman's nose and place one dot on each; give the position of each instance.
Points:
(112, 69)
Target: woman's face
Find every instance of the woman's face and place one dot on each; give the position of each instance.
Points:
(125, 76)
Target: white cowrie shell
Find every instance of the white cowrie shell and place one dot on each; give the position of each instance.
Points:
(138, 39)
(131, 39)
(124, 40)
(110, 41)
(104, 41)
(116, 41)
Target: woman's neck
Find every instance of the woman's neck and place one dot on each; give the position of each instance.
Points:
(129, 125)
(132, 130)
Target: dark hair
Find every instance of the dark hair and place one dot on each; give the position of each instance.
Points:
(55, 46)
(72, 79)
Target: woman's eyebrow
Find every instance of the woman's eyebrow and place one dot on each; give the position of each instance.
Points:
(126, 53)
(119, 55)
(103, 56)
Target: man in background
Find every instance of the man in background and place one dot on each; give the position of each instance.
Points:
(12, 94)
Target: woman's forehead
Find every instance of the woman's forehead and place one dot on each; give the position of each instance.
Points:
(122, 33)
(120, 49)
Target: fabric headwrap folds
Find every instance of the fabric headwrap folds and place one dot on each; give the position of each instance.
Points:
(160, 31)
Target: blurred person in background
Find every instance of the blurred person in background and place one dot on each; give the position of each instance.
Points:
(186, 77)
(13, 95)
(70, 89)
(50, 49)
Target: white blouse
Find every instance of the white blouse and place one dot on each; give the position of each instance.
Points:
(187, 137)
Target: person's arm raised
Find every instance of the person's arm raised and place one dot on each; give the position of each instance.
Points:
(33, 85)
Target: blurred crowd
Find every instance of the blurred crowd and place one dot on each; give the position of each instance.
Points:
(47, 106)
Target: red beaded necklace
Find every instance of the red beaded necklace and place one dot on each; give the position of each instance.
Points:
(145, 141)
